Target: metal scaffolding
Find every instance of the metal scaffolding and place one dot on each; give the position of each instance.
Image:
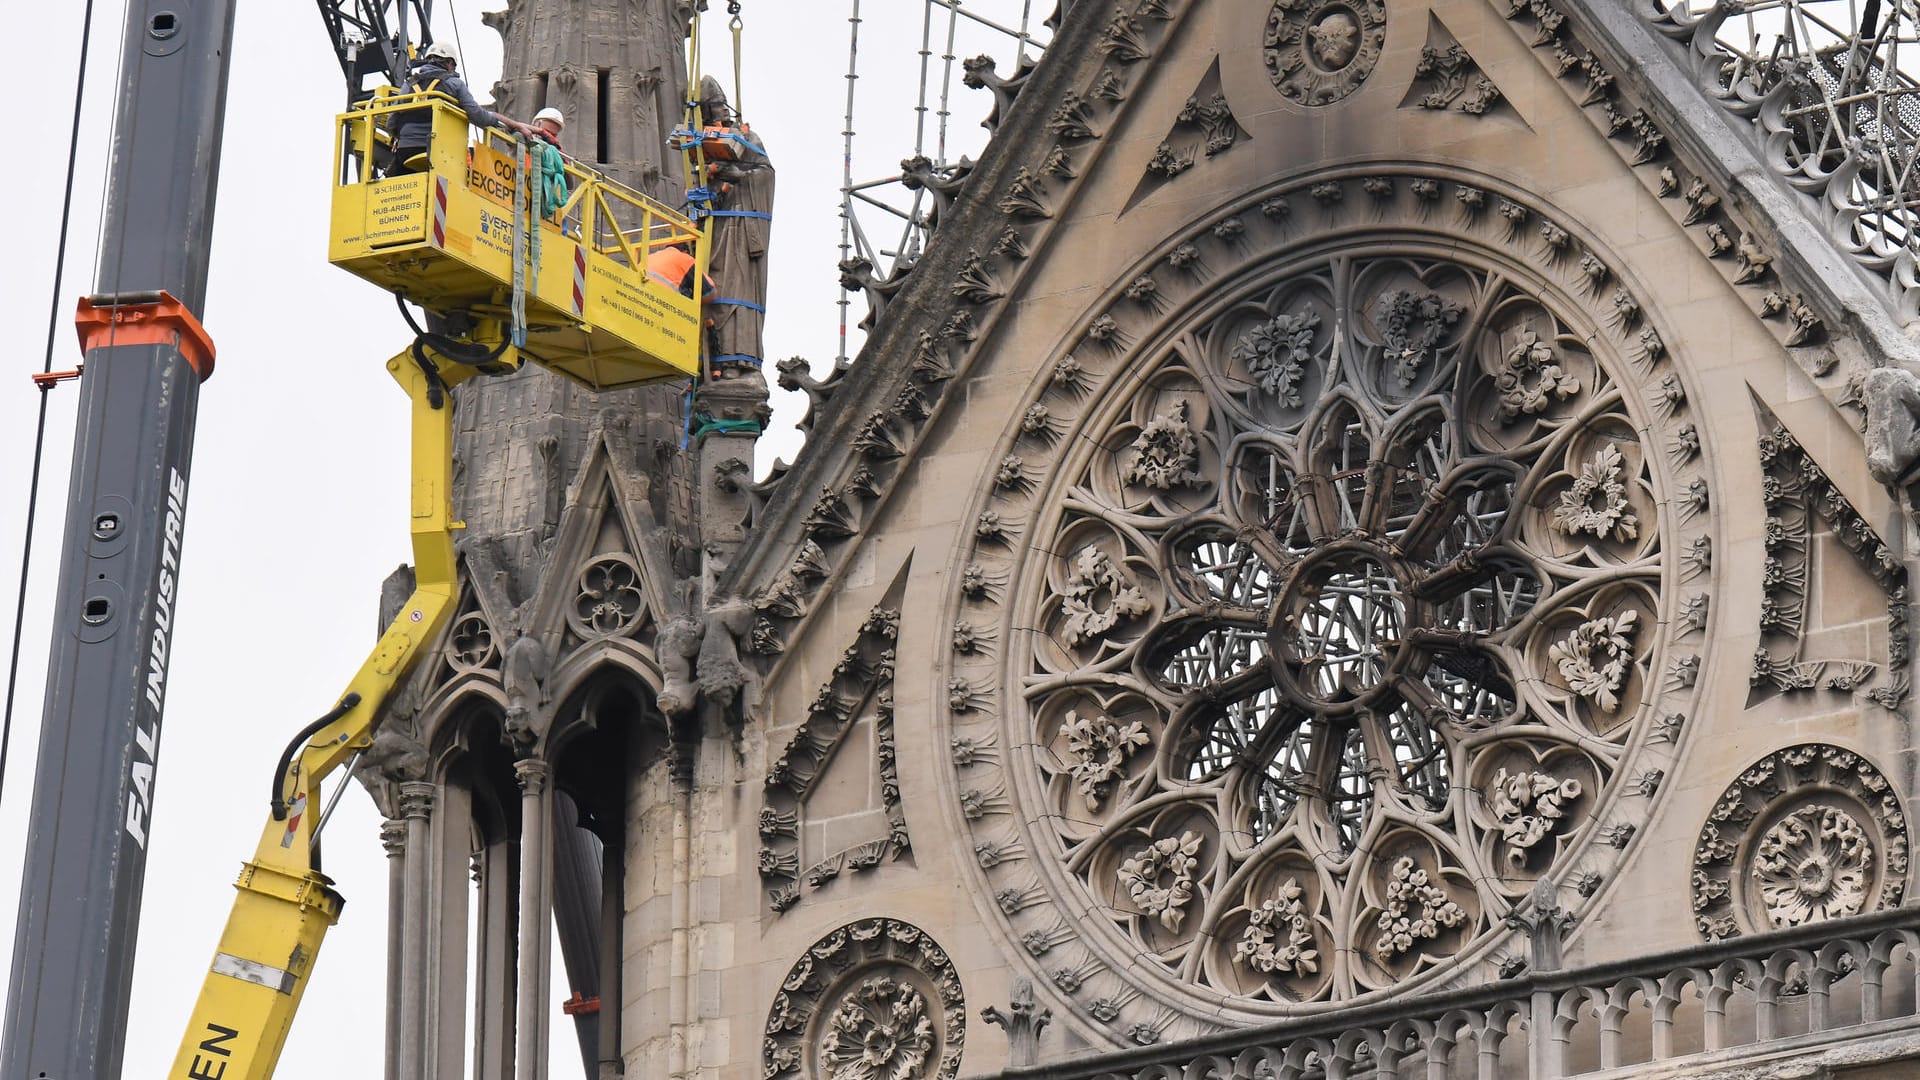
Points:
(882, 220)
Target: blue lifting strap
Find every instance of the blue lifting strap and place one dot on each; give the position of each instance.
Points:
(740, 213)
(739, 303)
(737, 357)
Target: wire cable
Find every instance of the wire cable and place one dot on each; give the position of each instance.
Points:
(459, 47)
(40, 428)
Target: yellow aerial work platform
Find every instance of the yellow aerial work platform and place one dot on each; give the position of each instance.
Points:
(445, 239)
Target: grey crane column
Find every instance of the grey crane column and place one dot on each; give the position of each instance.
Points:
(118, 588)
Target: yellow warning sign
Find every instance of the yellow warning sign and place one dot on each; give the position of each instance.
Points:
(490, 175)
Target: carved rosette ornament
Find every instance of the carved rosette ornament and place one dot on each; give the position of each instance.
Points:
(881, 1031)
(1336, 605)
(1806, 834)
(1318, 52)
(874, 1000)
(1812, 865)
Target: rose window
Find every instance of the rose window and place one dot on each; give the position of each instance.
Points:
(1335, 625)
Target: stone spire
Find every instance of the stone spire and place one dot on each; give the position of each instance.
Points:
(615, 68)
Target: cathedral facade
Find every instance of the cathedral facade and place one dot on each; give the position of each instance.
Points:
(1372, 542)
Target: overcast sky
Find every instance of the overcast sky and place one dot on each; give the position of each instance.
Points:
(296, 506)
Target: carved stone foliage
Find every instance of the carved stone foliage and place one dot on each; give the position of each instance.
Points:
(1447, 78)
(1833, 129)
(799, 852)
(1775, 86)
(1318, 52)
(1808, 833)
(874, 1000)
(1328, 611)
(944, 342)
(1802, 501)
(879, 1032)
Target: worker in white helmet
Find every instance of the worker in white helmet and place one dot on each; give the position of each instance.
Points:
(438, 71)
(547, 125)
(544, 148)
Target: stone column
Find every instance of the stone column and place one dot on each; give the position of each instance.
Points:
(393, 837)
(530, 1021)
(496, 961)
(448, 946)
(416, 807)
(613, 911)
(678, 1011)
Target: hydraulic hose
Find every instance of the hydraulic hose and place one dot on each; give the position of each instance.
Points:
(470, 353)
(286, 756)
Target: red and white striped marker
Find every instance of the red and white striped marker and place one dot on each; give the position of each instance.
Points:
(439, 211)
(579, 280)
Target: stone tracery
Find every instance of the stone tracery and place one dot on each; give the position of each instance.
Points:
(1408, 480)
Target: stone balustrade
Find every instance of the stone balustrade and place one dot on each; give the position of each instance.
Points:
(1847, 987)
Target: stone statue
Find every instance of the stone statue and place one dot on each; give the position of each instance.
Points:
(1893, 424)
(743, 186)
(722, 675)
(397, 755)
(523, 674)
(678, 645)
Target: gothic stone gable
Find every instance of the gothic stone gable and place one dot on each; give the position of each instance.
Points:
(1356, 461)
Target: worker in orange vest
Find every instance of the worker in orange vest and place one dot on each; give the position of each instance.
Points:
(674, 267)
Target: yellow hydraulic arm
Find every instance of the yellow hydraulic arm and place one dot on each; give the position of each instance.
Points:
(467, 236)
(285, 905)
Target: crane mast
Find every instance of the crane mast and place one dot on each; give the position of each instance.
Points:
(370, 39)
(118, 586)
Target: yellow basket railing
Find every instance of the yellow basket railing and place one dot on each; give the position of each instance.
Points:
(615, 220)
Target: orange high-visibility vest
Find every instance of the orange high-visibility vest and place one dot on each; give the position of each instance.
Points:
(674, 268)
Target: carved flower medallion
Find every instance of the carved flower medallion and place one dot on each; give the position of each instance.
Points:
(1805, 834)
(1813, 864)
(1279, 936)
(1159, 877)
(874, 1000)
(1307, 680)
(881, 1031)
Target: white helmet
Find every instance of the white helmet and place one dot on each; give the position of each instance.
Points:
(550, 113)
(437, 51)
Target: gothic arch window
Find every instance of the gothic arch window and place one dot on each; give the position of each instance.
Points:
(1336, 622)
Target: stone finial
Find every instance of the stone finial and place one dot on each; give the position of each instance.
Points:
(1545, 923)
(1024, 1019)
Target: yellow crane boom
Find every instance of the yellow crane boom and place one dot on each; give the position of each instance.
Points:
(591, 313)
